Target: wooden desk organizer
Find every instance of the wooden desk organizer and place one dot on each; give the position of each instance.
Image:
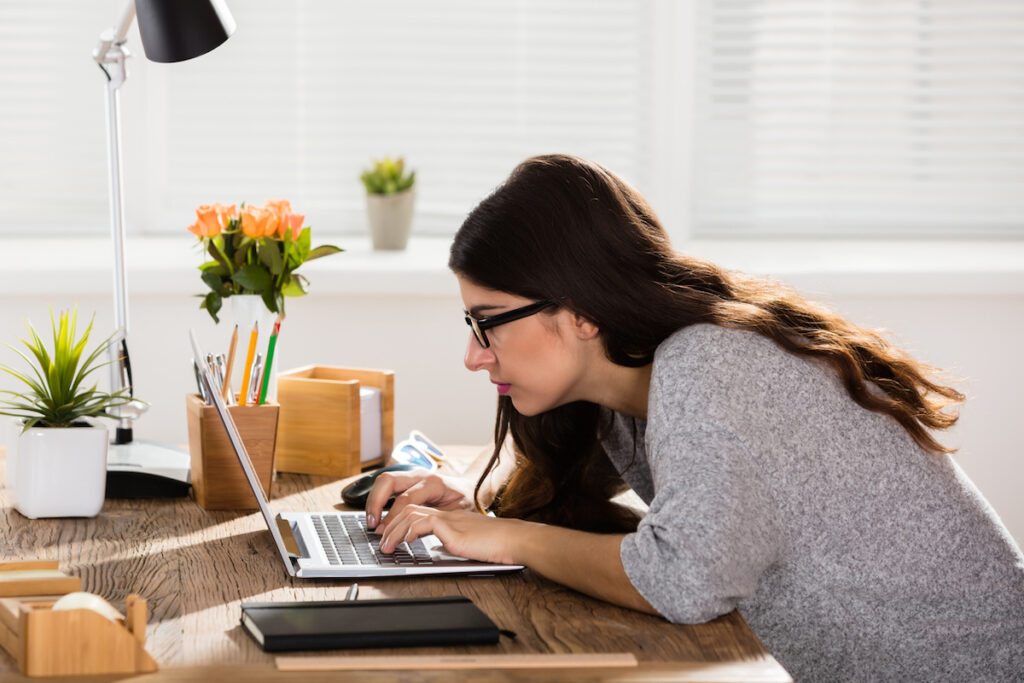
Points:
(68, 642)
(218, 482)
(319, 430)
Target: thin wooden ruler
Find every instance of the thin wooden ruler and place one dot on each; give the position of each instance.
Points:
(427, 662)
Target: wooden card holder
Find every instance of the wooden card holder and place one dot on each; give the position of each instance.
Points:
(319, 430)
(35, 577)
(218, 482)
(44, 642)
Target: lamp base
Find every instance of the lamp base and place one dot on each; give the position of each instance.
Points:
(145, 469)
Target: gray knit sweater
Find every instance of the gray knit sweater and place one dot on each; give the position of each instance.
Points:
(852, 553)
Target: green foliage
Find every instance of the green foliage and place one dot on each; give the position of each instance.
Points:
(264, 266)
(57, 393)
(388, 177)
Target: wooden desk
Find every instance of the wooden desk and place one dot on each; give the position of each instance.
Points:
(194, 567)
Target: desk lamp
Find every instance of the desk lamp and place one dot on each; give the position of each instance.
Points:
(172, 31)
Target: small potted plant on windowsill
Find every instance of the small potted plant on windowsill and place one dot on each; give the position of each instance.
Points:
(390, 196)
(57, 460)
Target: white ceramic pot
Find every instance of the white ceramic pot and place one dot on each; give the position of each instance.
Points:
(57, 472)
(247, 309)
(390, 218)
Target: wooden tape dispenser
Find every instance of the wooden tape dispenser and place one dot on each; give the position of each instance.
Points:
(52, 629)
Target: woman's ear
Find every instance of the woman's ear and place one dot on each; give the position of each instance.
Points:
(583, 328)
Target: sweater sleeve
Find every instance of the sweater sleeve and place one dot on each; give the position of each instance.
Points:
(711, 530)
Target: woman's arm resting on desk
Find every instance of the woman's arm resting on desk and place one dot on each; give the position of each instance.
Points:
(584, 561)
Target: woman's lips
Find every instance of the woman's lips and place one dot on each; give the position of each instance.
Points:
(502, 387)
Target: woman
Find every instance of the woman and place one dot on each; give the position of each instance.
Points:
(786, 455)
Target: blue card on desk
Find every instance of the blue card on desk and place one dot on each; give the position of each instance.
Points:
(281, 626)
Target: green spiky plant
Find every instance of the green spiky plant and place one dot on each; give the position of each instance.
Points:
(58, 394)
(388, 176)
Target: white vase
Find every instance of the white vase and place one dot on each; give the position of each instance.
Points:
(247, 309)
(57, 472)
(390, 218)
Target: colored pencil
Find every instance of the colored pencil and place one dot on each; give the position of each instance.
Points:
(248, 362)
(229, 366)
(269, 363)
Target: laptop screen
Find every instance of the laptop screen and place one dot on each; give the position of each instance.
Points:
(236, 443)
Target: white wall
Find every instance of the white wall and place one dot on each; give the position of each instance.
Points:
(419, 333)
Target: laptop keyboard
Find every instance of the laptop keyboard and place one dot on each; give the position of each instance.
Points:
(346, 541)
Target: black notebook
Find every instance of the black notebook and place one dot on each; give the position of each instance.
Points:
(280, 626)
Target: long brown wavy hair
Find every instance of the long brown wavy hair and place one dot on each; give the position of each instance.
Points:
(566, 228)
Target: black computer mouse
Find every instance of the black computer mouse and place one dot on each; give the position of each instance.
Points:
(355, 494)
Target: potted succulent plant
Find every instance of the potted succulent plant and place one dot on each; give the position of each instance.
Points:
(57, 453)
(390, 195)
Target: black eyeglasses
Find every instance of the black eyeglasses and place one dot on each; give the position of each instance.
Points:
(480, 325)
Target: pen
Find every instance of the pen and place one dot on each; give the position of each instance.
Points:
(248, 362)
(199, 382)
(254, 377)
(228, 397)
(265, 383)
(353, 592)
(218, 371)
(211, 366)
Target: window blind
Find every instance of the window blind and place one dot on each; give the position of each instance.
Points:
(859, 117)
(53, 160)
(308, 92)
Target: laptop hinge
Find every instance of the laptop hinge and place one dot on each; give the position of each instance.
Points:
(290, 544)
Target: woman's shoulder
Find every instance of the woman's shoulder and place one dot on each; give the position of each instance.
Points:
(733, 364)
(705, 343)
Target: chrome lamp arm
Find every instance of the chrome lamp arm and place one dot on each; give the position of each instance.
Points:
(111, 56)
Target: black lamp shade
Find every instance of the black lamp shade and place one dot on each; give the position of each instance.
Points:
(176, 30)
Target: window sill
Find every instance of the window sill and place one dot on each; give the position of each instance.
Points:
(167, 265)
(877, 267)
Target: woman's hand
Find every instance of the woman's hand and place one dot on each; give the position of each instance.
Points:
(586, 561)
(415, 487)
(463, 533)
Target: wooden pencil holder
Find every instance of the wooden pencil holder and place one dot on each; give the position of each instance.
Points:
(218, 481)
(45, 642)
(320, 431)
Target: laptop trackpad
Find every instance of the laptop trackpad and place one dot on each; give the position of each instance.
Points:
(437, 550)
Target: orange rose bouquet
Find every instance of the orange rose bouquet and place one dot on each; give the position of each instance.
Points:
(254, 250)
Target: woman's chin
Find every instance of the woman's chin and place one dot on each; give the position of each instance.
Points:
(528, 408)
(522, 407)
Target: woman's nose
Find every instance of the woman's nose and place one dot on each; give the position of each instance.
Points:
(477, 357)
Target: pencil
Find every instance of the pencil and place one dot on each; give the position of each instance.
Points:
(228, 398)
(265, 383)
(248, 362)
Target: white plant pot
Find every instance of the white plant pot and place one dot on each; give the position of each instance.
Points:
(247, 309)
(390, 218)
(57, 472)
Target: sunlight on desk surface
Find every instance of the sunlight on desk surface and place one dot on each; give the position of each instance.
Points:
(195, 567)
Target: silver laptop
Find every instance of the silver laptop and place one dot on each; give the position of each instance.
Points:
(336, 544)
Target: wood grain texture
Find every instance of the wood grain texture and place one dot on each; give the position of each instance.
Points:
(320, 428)
(79, 641)
(195, 567)
(218, 482)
